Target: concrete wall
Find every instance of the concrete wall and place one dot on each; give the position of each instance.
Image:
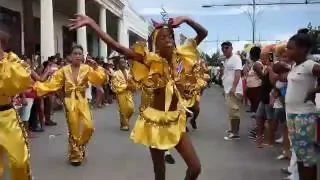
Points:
(136, 23)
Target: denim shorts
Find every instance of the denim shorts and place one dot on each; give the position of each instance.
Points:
(279, 114)
(264, 111)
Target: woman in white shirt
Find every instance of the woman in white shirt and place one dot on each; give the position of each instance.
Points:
(300, 107)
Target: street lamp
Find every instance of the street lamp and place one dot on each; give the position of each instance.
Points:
(207, 6)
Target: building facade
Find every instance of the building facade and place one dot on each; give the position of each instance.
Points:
(40, 26)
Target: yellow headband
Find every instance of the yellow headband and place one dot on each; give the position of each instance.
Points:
(154, 38)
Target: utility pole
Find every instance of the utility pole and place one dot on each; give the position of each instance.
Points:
(254, 5)
(217, 43)
(253, 21)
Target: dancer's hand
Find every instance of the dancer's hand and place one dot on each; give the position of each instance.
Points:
(92, 63)
(80, 21)
(110, 72)
(311, 96)
(177, 21)
(232, 91)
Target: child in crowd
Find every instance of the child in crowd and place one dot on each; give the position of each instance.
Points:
(281, 68)
(17, 102)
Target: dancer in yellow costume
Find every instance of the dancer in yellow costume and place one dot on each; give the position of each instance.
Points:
(166, 70)
(15, 77)
(73, 79)
(122, 85)
(202, 75)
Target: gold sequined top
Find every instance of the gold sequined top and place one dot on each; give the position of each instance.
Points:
(146, 98)
(177, 78)
(120, 82)
(15, 77)
(202, 73)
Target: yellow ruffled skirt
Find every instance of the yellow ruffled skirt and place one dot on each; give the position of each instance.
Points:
(159, 129)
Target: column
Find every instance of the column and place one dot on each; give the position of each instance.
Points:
(27, 20)
(82, 32)
(47, 29)
(123, 36)
(103, 49)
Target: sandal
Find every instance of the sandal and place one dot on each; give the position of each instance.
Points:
(283, 157)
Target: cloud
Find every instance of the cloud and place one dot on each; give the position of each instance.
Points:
(193, 8)
(211, 48)
(198, 11)
(285, 36)
(173, 11)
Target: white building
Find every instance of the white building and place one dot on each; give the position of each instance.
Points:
(45, 28)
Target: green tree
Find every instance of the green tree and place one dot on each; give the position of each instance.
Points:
(315, 36)
(216, 58)
(212, 60)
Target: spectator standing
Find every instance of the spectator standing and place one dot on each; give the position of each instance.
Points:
(233, 90)
(300, 108)
(253, 81)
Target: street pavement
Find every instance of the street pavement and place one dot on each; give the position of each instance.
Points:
(112, 155)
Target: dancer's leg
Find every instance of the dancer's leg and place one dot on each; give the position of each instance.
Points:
(13, 140)
(159, 165)
(186, 150)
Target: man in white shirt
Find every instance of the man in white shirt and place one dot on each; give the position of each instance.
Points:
(232, 84)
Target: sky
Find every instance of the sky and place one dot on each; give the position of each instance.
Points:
(233, 23)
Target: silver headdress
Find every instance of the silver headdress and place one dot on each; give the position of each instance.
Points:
(165, 15)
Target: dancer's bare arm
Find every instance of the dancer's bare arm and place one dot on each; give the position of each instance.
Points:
(82, 20)
(200, 30)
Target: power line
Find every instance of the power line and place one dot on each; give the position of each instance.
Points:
(238, 40)
(261, 4)
(253, 15)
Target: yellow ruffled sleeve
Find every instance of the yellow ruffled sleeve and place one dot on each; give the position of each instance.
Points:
(97, 76)
(53, 84)
(189, 54)
(152, 64)
(117, 85)
(139, 70)
(15, 75)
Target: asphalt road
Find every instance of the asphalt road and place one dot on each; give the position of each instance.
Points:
(112, 155)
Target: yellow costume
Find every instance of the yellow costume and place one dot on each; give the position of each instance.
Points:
(14, 79)
(75, 103)
(201, 72)
(146, 98)
(119, 85)
(163, 129)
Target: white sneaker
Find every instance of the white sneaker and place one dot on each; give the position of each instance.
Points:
(231, 137)
(228, 131)
(290, 177)
(280, 140)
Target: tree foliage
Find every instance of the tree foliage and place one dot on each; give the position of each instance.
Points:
(315, 35)
(213, 59)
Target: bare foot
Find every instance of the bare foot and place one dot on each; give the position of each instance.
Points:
(267, 145)
(259, 145)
